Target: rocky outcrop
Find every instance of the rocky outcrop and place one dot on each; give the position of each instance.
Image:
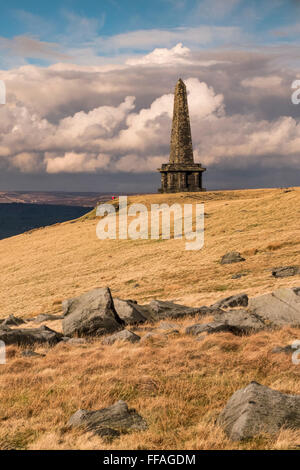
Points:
(91, 314)
(109, 422)
(12, 321)
(30, 336)
(281, 307)
(257, 409)
(238, 322)
(239, 300)
(130, 312)
(161, 310)
(124, 335)
(232, 257)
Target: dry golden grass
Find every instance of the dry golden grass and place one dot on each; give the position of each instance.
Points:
(177, 383)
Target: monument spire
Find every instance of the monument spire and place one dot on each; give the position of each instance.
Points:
(181, 173)
(181, 138)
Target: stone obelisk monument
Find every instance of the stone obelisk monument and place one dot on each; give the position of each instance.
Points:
(181, 173)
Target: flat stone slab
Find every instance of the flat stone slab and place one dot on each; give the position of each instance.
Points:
(281, 307)
(257, 409)
(162, 310)
(238, 322)
(30, 336)
(124, 335)
(109, 422)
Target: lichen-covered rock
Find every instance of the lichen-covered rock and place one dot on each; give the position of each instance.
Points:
(257, 409)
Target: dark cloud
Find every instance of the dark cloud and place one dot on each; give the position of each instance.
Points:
(93, 127)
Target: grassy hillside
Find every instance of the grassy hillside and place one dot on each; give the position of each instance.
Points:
(179, 385)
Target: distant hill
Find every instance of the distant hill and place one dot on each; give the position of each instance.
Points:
(64, 198)
(16, 218)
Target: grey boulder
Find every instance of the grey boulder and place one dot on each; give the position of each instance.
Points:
(285, 271)
(30, 336)
(232, 257)
(91, 314)
(124, 335)
(161, 310)
(281, 307)
(238, 322)
(109, 422)
(130, 312)
(257, 409)
(239, 300)
(12, 321)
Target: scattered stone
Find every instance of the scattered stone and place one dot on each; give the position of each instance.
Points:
(296, 290)
(238, 275)
(232, 257)
(76, 341)
(13, 321)
(46, 317)
(124, 335)
(29, 353)
(283, 349)
(109, 422)
(130, 312)
(30, 336)
(281, 307)
(242, 322)
(92, 313)
(153, 337)
(239, 300)
(238, 322)
(212, 327)
(257, 409)
(286, 271)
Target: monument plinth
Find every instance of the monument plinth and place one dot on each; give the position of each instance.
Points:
(181, 173)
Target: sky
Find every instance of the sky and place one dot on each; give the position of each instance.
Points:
(89, 92)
